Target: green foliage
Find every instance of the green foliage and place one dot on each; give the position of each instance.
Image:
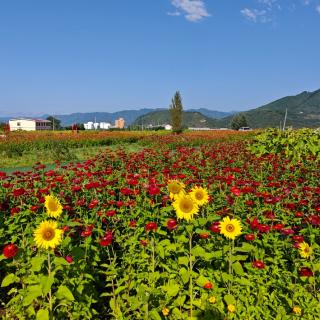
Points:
(55, 123)
(296, 145)
(303, 111)
(176, 110)
(239, 120)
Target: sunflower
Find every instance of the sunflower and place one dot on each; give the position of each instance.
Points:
(47, 235)
(305, 250)
(185, 207)
(175, 188)
(53, 206)
(230, 228)
(200, 195)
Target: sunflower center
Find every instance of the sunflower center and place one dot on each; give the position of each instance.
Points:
(230, 227)
(52, 205)
(186, 205)
(48, 234)
(174, 188)
(306, 250)
(199, 195)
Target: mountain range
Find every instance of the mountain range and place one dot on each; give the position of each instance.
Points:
(303, 110)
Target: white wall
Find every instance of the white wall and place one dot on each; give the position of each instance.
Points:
(27, 125)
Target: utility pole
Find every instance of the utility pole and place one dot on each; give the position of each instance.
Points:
(285, 119)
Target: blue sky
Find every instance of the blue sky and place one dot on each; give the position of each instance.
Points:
(68, 56)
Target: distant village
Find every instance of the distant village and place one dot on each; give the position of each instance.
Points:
(43, 124)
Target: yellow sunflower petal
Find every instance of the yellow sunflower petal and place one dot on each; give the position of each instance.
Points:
(230, 228)
(47, 235)
(53, 206)
(185, 207)
(200, 195)
(175, 188)
(305, 250)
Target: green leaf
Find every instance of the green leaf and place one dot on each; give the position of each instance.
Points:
(154, 315)
(9, 279)
(160, 251)
(42, 314)
(172, 288)
(37, 262)
(33, 292)
(244, 281)
(183, 260)
(226, 277)
(246, 247)
(237, 267)
(198, 251)
(184, 273)
(201, 281)
(229, 299)
(64, 293)
(59, 261)
(46, 283)
(77, 253)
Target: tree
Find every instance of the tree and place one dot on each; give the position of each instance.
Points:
(55, 123)
(176, 110)
(239, 120)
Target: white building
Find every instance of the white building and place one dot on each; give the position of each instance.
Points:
(88, 125)
(29, 124)
(168, 127)
(96, 125)
(105, 125)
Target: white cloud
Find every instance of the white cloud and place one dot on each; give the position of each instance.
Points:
(254, 15)
(318, 9)
(193, 10)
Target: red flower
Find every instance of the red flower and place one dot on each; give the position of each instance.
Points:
(204, 235)
(110, 213)
(236, 191)
(305, 272)
(107, 239)
(208, 285)
(172, 224)
(298, 238)
(153, 190)
(14, 210)
(10, 250)
(215, 227)
(34, 208)
(69, 259)
(86, 233)
(143, 242)
(66, 229)
(254, 223)
(19, 192)
(132, 223)
(151, 226)
(263, 228)
(250, 237)
(258, 264)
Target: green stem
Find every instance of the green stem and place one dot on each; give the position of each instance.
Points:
(50, 293)
(190, 275)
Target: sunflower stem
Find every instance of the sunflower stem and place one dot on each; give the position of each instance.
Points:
(230, 263)
(190, 275)
(50, 293)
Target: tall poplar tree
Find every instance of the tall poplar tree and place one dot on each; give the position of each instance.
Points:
(176, 110)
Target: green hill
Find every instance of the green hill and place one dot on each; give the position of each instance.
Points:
(162, 117)
(303, 111)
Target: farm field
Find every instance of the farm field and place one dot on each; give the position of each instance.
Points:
(23, 149)
(208, 225)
